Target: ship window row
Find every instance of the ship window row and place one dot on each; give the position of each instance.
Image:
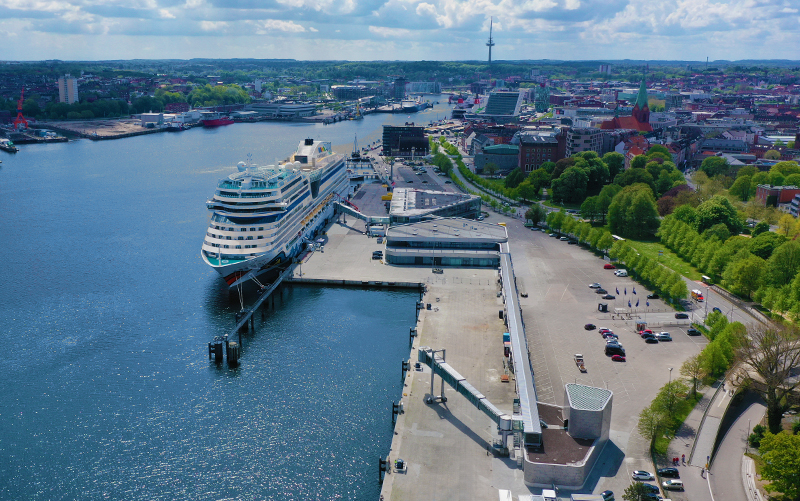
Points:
(220, 246)
(223, 237)
(233, 194)
(260, 228)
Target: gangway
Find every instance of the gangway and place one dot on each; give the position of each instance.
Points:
(348, 208)
(449, 375)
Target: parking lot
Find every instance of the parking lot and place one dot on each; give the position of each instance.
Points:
(556, 276)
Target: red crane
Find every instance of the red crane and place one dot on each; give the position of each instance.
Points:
(20, 118)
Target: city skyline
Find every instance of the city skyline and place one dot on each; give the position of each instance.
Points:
(364, 30)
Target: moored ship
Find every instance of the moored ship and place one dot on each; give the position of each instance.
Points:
(262, 216)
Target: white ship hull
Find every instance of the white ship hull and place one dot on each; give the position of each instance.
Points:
(265, 216)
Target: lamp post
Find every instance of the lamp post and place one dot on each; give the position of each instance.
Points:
(669, 386)
(747, 438)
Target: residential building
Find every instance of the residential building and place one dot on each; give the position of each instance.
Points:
(584, 140)
(794, 206)
(767, 195)
(68, 89)
(535, 149)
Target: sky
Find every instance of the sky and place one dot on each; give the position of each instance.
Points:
(434, 30)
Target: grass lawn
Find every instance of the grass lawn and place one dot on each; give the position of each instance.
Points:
(669, 259)
(554, 205)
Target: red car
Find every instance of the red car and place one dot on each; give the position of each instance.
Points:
(617, 358)
(646, 331)
(609, 266)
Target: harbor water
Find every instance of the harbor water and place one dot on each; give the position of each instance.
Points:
(106, 309)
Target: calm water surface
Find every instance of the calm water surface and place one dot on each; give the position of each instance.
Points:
(106, 309)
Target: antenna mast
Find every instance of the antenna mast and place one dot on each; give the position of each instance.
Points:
(490, 43)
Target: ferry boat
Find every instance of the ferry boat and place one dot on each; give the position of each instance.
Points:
(262, 216)
(7, 145)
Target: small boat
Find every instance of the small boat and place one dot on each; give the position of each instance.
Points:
(7, 145)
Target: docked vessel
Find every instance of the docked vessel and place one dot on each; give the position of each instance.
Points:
(7, 145)
(262, 216)
(216, 122)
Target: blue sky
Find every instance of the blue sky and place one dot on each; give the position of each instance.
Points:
(399, 29)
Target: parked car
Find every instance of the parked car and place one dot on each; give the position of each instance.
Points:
(663, 336)
(653, 489)
(669, 472)
(607, 495)
(617, 358)
(601, 330)
(600, 291)
(645, 331)
(672, 485)
(621, 273)
(681, 315)
(615, 349)
(552, 234)
(564, 239)
(642, 475)
(609, 296)
(594, 286)
(691, 331)
(609, 266)
(609, 336)
(652, 296)
(716, 309)
(589, 327)
(651, 340)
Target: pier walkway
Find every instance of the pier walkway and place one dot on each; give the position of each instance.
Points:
(247, 313)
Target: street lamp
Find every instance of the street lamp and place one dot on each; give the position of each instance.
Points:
(669, 386)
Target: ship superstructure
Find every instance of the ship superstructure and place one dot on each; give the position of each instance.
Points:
(262, 216)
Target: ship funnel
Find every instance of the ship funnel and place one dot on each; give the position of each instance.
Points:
(241, 166)
(309, 142)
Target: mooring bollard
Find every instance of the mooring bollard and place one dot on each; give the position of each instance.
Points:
(404, 368)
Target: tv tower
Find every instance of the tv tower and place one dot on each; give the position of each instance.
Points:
(490, 43)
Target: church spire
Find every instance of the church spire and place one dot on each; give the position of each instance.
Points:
(641, 99)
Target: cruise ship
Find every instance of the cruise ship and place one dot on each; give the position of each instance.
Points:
(262, 216)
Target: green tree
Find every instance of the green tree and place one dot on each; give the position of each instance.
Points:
(634, 176)
(763, 245)
(637, 491)
(514, 178)
(615, 163)
(570, 186)
(686, 213)
(605, 241)
(784, 263)
(651, 420)
(718, 210)
(536, 214)
(490, 169)
(772, 155)
(633, 212)
(741, 188)
(539, 179)
(760, 228)
(745, 275)
(713, 166)
(786, 224)
(781, 455)
(694, 369)
(595, 168)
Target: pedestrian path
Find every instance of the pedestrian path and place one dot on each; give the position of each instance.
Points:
(709, 427)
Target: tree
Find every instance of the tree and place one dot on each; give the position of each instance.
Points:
(539, 179)
(741, 188)
(766, 364)
(633, 212)
(786, 224)
(615, 163)
(781, 455)
(589, 209)
(490, 169)
(570, 186)
(536, 214)
(636, 492)
(718, 210)
(763, 245)
(745, 275)
(633, 176)
(686, 213)
(772, 155)
(713, 166)
(694, 369)
(651, 420)
(514, 178)
(760, 228)
(784, 263)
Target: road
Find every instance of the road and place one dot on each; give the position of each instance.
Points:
(726, 471)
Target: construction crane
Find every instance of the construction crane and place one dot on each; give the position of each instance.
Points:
(20, 120)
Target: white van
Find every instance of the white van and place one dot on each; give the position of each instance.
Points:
(621, 273)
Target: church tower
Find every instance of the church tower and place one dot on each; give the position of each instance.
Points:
(641, 110)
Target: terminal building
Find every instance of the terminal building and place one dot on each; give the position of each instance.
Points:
(409, 205)
(446, 242)
(404, 141)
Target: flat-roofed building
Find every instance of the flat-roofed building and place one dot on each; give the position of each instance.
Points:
(445, 242)
(404, 141)
(409, 205)
(68, 89)
(536, 149)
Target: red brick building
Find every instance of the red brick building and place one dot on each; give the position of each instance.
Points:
(534, 150)
(773, 195)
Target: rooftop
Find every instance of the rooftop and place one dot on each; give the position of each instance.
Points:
(413, 202)
(450, 228)
(588, 398)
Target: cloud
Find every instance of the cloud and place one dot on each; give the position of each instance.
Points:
(165, 14)
(389, 32)
(277, 25)
(213, 25)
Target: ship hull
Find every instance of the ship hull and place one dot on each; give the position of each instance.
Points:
(217, 122)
